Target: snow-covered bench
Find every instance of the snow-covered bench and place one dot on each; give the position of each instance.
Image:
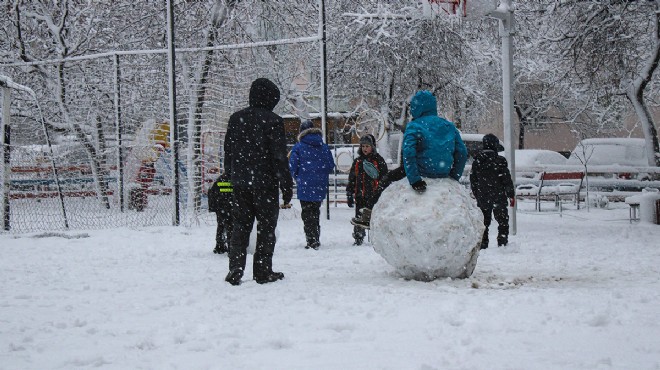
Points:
(645, 206)
(633, 202)
(555, 185)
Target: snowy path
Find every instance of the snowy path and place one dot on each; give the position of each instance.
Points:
(573, 292)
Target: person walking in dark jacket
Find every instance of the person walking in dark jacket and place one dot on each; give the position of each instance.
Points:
(256, 162)
(492, 187)
(220, 199)
(310, 164)
(366, 171)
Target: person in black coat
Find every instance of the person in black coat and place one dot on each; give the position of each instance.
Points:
(366, 171)
(256, 162)
(220, 199)
(492, 187)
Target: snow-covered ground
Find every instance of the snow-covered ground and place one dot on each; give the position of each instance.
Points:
(574, 292)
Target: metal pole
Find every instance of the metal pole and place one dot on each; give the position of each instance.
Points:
(52, 163)
(119, 132)
(174, 131)
(6, 141)
(505, 14)
(324, 87)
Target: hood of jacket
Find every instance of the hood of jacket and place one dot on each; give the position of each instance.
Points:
(491, 142)
(264, 94)
(486, 154)
(423, 104)
(311, 136)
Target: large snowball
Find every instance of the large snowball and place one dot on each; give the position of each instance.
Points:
(431, 235)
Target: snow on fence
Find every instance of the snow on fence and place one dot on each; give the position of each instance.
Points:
(108, 115)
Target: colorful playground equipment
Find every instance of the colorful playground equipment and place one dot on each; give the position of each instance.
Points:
(151, 143)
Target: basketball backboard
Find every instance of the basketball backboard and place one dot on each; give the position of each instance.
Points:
(460, 9)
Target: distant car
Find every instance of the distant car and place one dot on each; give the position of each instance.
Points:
(609, 154)
(536, 158)
(610, 151)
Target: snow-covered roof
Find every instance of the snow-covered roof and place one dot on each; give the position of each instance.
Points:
(538, 157)
(614, 141)
(472, 137)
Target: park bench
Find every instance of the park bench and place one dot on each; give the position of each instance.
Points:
(555, 184)
(633, 202)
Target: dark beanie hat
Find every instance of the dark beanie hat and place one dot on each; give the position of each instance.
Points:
(367, 139)
(491, 142)
(306, 124)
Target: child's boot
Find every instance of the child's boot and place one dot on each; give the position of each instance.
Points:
(364, 220)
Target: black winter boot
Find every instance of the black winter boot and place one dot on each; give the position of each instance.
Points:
(502, 240)
(313, 243)
(269, 278)
(358, 235)
(220, 248)
(484, 242)
(234, 277)
(364, 220)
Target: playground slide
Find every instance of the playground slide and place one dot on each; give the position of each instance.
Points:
(149, 144)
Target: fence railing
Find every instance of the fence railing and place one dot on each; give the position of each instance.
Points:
(611, 179)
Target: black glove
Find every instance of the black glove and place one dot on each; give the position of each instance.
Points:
(419, 186)
(287, 194)
(350, 200)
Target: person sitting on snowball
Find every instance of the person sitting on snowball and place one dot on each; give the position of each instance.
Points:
(432, 146)
(492, 187)
(366, 171)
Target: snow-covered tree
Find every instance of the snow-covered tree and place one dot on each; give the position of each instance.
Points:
(605, 51)
(384, 52)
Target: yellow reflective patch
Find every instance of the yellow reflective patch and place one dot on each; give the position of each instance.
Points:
(224, 184)
(230, 190)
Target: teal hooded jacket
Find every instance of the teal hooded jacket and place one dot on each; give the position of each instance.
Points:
(432, 146)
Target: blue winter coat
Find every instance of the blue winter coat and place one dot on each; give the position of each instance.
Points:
(310, 164)
(432, 146)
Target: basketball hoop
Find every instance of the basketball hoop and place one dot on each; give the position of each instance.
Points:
(460, 9)
(449, 7)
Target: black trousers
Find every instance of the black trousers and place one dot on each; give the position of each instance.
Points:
(224, 229)
(501, 213)
(311, 214)
(251, 203)
(358, 232)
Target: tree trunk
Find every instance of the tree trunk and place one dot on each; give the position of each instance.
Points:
(635, 93)
(95, 162)
(219, 16)
(101, 176)
(522, 122)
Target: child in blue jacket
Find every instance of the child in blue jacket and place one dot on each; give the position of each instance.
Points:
(310, 164)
